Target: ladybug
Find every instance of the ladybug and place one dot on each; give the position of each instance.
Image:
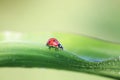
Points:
(54, 43)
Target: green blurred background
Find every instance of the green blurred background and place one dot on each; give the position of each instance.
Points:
(99, 18)
(96, 18)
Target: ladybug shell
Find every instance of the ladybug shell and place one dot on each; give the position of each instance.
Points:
(53, 42)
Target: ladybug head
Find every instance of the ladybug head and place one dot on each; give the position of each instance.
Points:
(60, 46)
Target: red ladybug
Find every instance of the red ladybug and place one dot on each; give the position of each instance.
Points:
(54, 43)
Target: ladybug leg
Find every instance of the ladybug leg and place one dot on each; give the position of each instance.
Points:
(61, 48)
(49, 47)
(56, 49)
